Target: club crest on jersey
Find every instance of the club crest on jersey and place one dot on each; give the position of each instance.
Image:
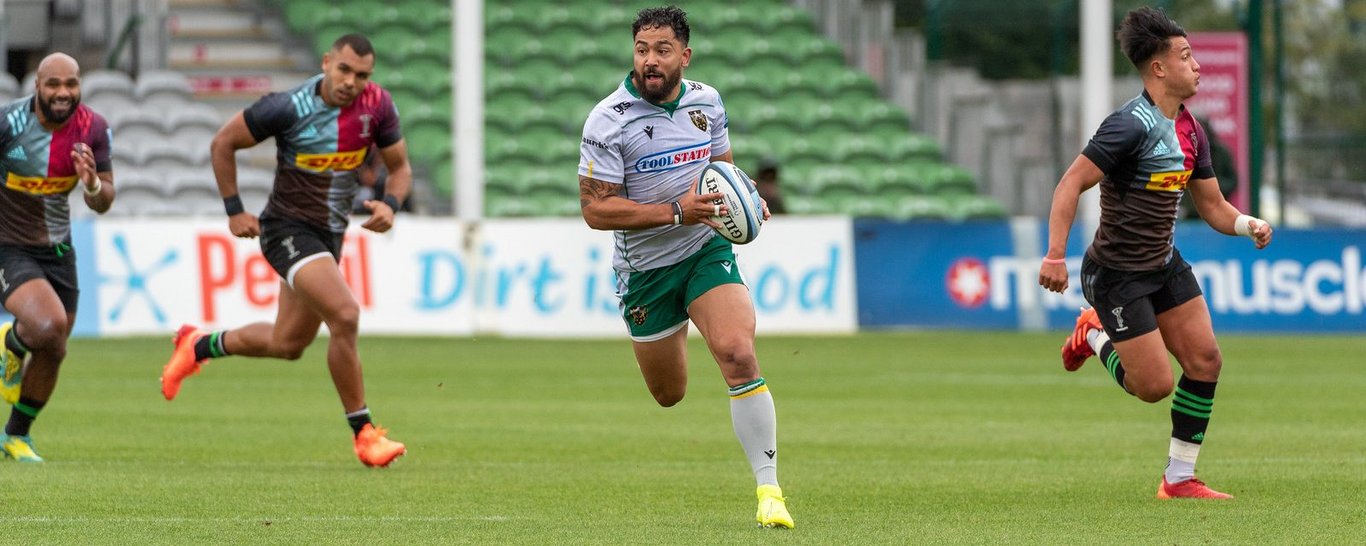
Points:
(638, 315)
(365, 120)
(339, 161)
(698, 119)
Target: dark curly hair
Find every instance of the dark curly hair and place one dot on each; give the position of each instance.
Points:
(357, 42)
(1146, 32)
(671, 17)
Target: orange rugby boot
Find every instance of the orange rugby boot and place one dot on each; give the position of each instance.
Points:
(182, 363)
(1189, 489)
(375, 449)
(1076, 349)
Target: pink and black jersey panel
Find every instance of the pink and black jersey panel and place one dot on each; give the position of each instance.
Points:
(38, 171)
(319, 148)
(1147, 159)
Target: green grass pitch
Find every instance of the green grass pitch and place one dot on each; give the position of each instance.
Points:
(927, 437)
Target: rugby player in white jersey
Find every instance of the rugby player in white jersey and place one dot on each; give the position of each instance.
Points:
(643, 151)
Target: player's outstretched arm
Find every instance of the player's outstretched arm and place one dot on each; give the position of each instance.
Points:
(1223, 217)
(396, 188)
(1081, 176)
(233, 136)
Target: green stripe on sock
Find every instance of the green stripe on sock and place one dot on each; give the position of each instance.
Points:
(742, 389)
(1112, 363)
(1184, 399)
(1192, 413)
(1206, 401)
(213, 345)
(26, 409)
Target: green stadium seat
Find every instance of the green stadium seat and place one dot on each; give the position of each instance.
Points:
(502, 18)
(508, 206)
(875, 115)
(818, 52)
(847, 84)
(908, 146)
(443, 178)
(854, 148)
(953, 180)
(311, 14)
(549, 18)
(428, 143)
(902, 178)
(976, 207)
(922, 207)
(609, 20)
(811, 114)
(434, 46)
(502, 84)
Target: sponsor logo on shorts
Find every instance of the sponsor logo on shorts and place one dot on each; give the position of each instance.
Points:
(664, 161)
(1169, 181)
(339, 161)
(39, 185)
(638, 315)
(698, 119)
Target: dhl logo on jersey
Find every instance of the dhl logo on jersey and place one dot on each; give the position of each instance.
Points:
(1169, 181)
(38, 185)
(339, 161)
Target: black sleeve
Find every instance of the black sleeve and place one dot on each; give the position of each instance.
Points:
(1204, 161)
(270, 116)
(388, 132)
(1117, 139)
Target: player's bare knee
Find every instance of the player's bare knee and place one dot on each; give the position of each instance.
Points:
(1152, 391)
(45, 334)
(668, 397)
(290, 353)
(344, 322)
(1206, 365)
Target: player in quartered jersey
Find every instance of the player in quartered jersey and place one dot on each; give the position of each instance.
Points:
(323, 130)
(50, 145)
(1145, 299)
(644, 148)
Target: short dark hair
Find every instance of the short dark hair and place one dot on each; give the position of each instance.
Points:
(672, 17)
(358, 43)
(1145, 32)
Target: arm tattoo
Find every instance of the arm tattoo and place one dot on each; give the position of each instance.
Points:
(592, 190)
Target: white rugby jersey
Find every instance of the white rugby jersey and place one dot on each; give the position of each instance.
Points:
(655, 152)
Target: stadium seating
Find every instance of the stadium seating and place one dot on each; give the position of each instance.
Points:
(789, 94)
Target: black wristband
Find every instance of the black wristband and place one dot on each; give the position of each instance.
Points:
(678, 213)
(233, 205)
(392, 201)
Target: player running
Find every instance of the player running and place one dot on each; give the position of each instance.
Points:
(1145, 299)
(323, 129)
(50, 144)
(644, 148)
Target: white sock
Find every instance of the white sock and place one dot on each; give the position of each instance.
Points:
(1181, 461)
(756, 425)
(1096, 339)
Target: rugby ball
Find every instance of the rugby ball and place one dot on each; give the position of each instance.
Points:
(741, 198)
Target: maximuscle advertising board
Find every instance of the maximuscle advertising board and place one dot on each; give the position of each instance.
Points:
(981, 275)
(538, 278)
